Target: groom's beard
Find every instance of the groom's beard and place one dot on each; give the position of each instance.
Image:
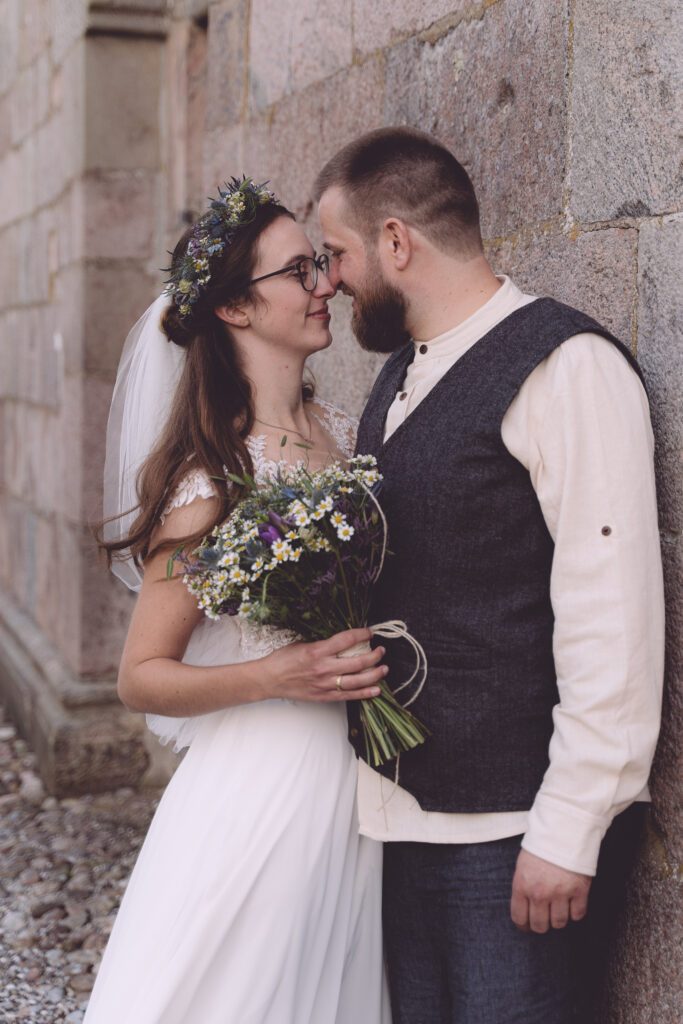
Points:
(379, 319)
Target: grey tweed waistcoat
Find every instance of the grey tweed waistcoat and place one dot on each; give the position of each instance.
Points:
(470, 569)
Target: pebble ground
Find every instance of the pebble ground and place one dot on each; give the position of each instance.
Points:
(64, 865)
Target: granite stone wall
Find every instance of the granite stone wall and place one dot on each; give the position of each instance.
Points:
(117, 119)
(80, 167)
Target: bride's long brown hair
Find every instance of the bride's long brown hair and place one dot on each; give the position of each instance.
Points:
(212, 412)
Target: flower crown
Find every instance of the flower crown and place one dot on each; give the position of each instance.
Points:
(236, 206)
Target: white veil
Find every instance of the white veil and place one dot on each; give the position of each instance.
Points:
(146, 382)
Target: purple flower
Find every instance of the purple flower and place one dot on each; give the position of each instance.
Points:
(269, 534)
(282, 524)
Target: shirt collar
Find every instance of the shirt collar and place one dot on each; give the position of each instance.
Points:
(505, 301)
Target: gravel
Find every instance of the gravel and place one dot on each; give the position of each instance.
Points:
(64, 865)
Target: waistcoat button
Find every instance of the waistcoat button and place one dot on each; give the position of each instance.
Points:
(423, 349)
(402, 397)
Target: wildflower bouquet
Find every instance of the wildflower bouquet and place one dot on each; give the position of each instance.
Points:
(302, 554)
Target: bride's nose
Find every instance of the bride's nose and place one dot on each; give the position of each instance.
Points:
(324, 287)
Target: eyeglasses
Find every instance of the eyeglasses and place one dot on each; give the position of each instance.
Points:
(306, 270)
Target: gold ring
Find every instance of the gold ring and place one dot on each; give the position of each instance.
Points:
(338, 684)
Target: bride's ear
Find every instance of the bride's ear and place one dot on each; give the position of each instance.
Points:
(235, 316)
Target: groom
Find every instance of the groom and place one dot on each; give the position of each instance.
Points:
(514, 438)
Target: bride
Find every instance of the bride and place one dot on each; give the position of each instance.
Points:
(253, 900)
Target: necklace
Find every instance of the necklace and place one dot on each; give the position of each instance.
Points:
(277, 426)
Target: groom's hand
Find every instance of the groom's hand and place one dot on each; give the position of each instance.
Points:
(545, 896)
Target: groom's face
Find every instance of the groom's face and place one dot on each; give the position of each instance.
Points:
(379, 308)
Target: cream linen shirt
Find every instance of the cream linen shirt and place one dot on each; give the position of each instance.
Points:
(580, 425)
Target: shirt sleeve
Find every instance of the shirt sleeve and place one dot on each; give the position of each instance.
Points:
(581, 426)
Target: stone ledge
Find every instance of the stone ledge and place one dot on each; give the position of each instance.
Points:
(84, 740)
(149, 19)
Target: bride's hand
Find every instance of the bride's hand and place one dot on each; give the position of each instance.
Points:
(315, 672)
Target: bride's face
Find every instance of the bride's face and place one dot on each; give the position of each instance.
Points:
(283, 312)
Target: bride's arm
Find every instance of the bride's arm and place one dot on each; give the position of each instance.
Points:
(153, 679)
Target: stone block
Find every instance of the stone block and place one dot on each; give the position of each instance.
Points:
(30, 98)
(493, 90)
(24, 342)
(660, 314)
(10, 260)
(122, 116)
(627, 109)
(11, 190)
(222, 158)
(96, 397)
(24, 355)
(10, 446)
(32, 258)
(668, 764)
(69, 21)
(6, 105)
(8, 542)
(69, 213)
(69, 430)
(50, 377)
(312, 124)
(25, 457)
(60, 141)
(22, 101)
(50, 589)
(66, 624)
(5, 385)
(185, 97)
(22, 552)
(29, 195)
(10, 339)
(309, 42)
(48, 462)
(383, 23)
(116, 295)
(98, 751)
(227, 63)
(107, 606)
(10, 13)
(593, 271)
(6, 539)
(120, 213)
(174, 138)
(69, 326)
(647, 960)
(34, 30)
(83, 739)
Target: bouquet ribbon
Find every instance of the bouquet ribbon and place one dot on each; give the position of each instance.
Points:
(394, 629)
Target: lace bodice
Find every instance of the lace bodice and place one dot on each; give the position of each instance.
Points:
(340, 427)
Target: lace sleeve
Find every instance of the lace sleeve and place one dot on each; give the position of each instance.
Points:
(341, 427)
(195, 485)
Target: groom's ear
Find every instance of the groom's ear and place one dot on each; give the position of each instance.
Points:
(396, 241)
(235, 316)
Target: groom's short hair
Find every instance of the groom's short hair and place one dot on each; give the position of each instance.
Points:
(406, 173)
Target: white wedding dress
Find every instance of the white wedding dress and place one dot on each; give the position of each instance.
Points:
(254, 900)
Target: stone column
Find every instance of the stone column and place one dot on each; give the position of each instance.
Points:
(80, 175)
